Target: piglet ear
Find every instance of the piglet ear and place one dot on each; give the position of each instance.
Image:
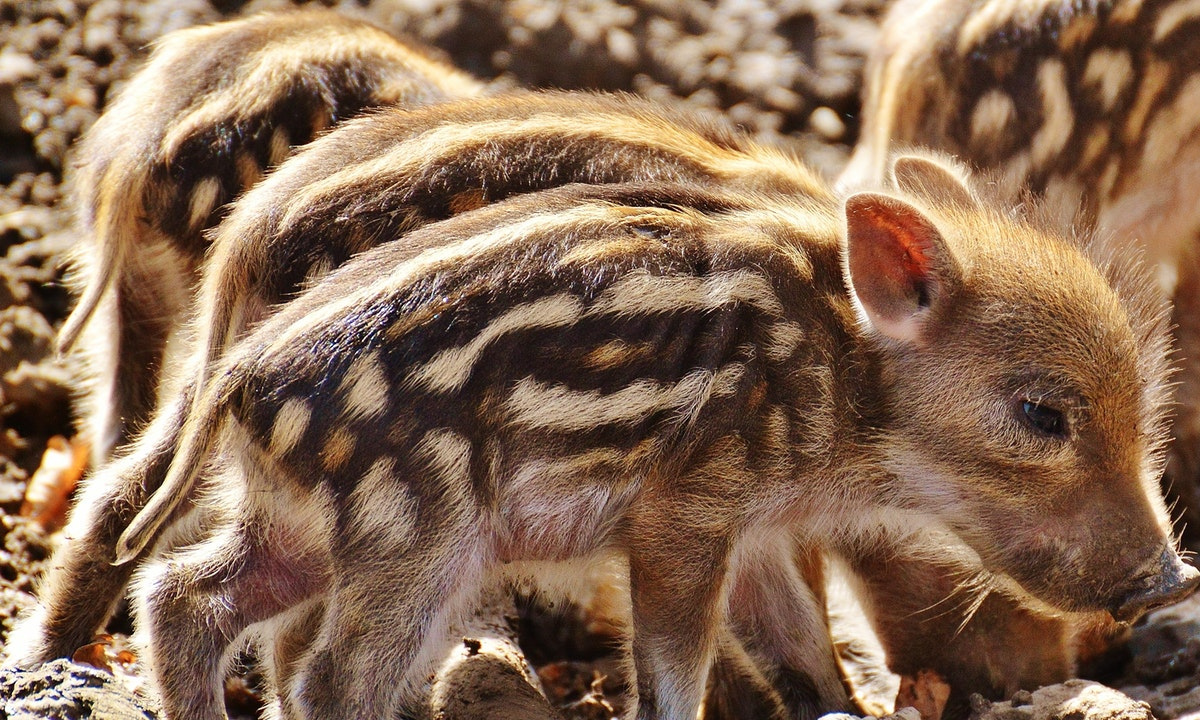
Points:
(897, 264)
(937, 181)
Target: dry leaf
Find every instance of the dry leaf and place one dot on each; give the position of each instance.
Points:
(107, 653)
(927, 693)
(94, 654)
(50, 487)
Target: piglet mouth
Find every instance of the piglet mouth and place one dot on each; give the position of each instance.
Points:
(1166, 582)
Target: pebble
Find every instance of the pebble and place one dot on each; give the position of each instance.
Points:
(825, 122)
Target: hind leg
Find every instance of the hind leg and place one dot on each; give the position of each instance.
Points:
(282, 648)
(81, 586)
(195, 602)
(263, 552)
(152, 296)
(777, 612)
(124, 353)
(389, 610)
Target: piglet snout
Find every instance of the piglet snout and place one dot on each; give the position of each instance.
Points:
(1168, 582)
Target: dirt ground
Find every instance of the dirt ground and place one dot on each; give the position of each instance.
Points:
(788, 71)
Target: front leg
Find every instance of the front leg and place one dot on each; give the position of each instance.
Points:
(777, 615)
(676, 578)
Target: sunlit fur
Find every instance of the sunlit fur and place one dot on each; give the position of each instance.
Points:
(279, 240)
(1091, 107)
(213, 109)
(691, 459)
(262, 257)
(1124, 156)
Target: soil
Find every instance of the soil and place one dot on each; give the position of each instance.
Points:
(788, 71)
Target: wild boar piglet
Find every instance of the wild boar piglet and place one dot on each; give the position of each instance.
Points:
(212, 110)
(679, 373)
(1092, 108)
(381, 176)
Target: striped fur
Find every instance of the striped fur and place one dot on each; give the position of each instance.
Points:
(1093, 102)
(261, 257)
(404, 168)
(380, 178)
(213, 109)
(779, 389)
(485, 150)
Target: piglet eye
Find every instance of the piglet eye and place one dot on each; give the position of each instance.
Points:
(1044, 419)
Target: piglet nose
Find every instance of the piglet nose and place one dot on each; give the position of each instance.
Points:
(1169, 582)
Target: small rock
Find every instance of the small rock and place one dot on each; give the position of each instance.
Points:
(1072, 700)
(66, 690)
(622, 46)
(15, 67)
(905, 713)
(826, 122)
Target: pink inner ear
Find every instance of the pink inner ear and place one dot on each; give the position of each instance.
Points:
(900, 251)
(894, 258)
